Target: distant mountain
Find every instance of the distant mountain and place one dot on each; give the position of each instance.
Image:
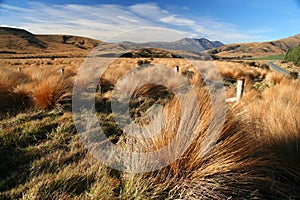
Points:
(130, 50)
(185, 44)
(254, 49)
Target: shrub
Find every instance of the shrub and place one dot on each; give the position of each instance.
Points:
(293, 55)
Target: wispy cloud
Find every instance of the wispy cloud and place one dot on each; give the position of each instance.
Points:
(178, 21)
(105, 20)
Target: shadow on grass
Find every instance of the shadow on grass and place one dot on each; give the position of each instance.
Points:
(16, 156)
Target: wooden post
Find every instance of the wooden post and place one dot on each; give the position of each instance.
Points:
(98, 88)
(240, 88)
(19, 69)
(239, 91)
(176, 69)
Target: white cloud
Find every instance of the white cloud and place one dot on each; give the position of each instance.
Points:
(106, 20)
(175, 20)
(128, 19)
(148, 10)
(11, 8)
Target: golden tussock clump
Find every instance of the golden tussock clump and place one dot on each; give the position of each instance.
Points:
(10, 98)
(232, 164)
(39, 88)
(276, 122)
(275, 77)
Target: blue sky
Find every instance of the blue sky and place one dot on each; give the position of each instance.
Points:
(229, 21)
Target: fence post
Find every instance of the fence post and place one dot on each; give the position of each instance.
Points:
(239, 91)
(98, 88)
(176, 69)
(240, 88)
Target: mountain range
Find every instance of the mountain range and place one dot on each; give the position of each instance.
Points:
(185, 44)
(18, 42)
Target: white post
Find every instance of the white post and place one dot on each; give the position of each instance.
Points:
(19, 69)
(62, 70)
(239, 92)
(240, 88)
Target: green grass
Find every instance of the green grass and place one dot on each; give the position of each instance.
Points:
(42, 157)
(270, 57)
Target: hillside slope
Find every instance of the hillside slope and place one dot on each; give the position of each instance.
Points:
(18, 41)
(256, 48)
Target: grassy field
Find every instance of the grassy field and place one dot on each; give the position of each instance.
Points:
(270, 57)
(256, 155)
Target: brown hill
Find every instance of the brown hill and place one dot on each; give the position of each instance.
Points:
(255, 48)
(18, 41)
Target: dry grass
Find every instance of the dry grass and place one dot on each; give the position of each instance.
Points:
(276, 121)
(235, 70)
(33, 88)
(237, 166)
(9, 98)
(255, 154)
(275, 77)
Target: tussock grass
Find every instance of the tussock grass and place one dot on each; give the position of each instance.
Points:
(275, 77)
(39, 88)
(237, 166)
(276, 123)
(50, 89)
(238, 71)
(254, 156)
(9, 97)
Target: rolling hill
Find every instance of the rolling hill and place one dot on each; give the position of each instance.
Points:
(255, 49)
(18, 41)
